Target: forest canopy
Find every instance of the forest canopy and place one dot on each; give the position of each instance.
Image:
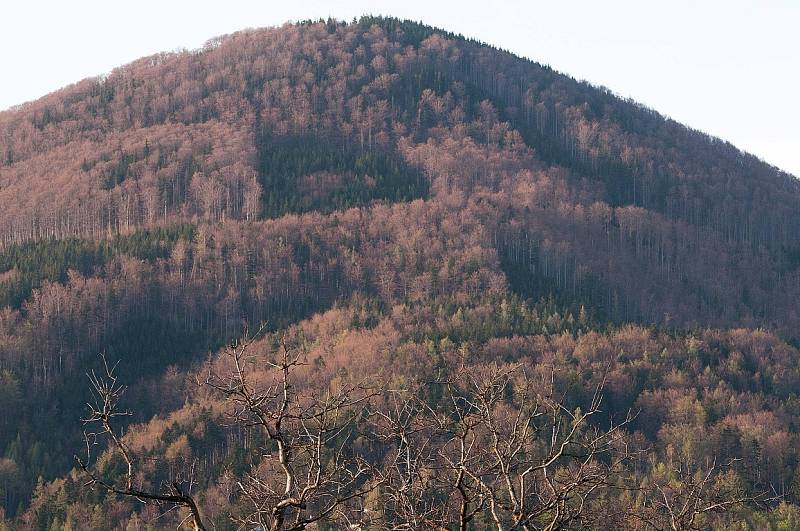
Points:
(422, 220)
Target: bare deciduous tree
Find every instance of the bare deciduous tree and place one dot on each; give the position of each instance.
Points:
(308, 470)
(403, 424)
(487, 446)
(681, 495)
(107, 392)
(505, 448)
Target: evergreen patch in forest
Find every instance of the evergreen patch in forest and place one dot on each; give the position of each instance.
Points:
(26, 266)
(303, 174)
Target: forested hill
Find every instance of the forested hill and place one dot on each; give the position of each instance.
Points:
(320, 117)
(390, 196)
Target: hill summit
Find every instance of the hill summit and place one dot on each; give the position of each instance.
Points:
(574, 188)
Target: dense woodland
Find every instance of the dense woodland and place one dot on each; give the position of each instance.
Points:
(471, 234)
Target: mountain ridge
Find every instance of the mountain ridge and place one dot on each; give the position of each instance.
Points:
(213, 42)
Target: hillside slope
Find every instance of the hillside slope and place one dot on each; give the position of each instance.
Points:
(326, 116)
(426, 194)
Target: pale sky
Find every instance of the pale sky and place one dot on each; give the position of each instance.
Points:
(727, 67)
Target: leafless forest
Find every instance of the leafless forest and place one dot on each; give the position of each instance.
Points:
(373, 275)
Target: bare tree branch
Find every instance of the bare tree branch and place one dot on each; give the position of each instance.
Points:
(107, 392)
